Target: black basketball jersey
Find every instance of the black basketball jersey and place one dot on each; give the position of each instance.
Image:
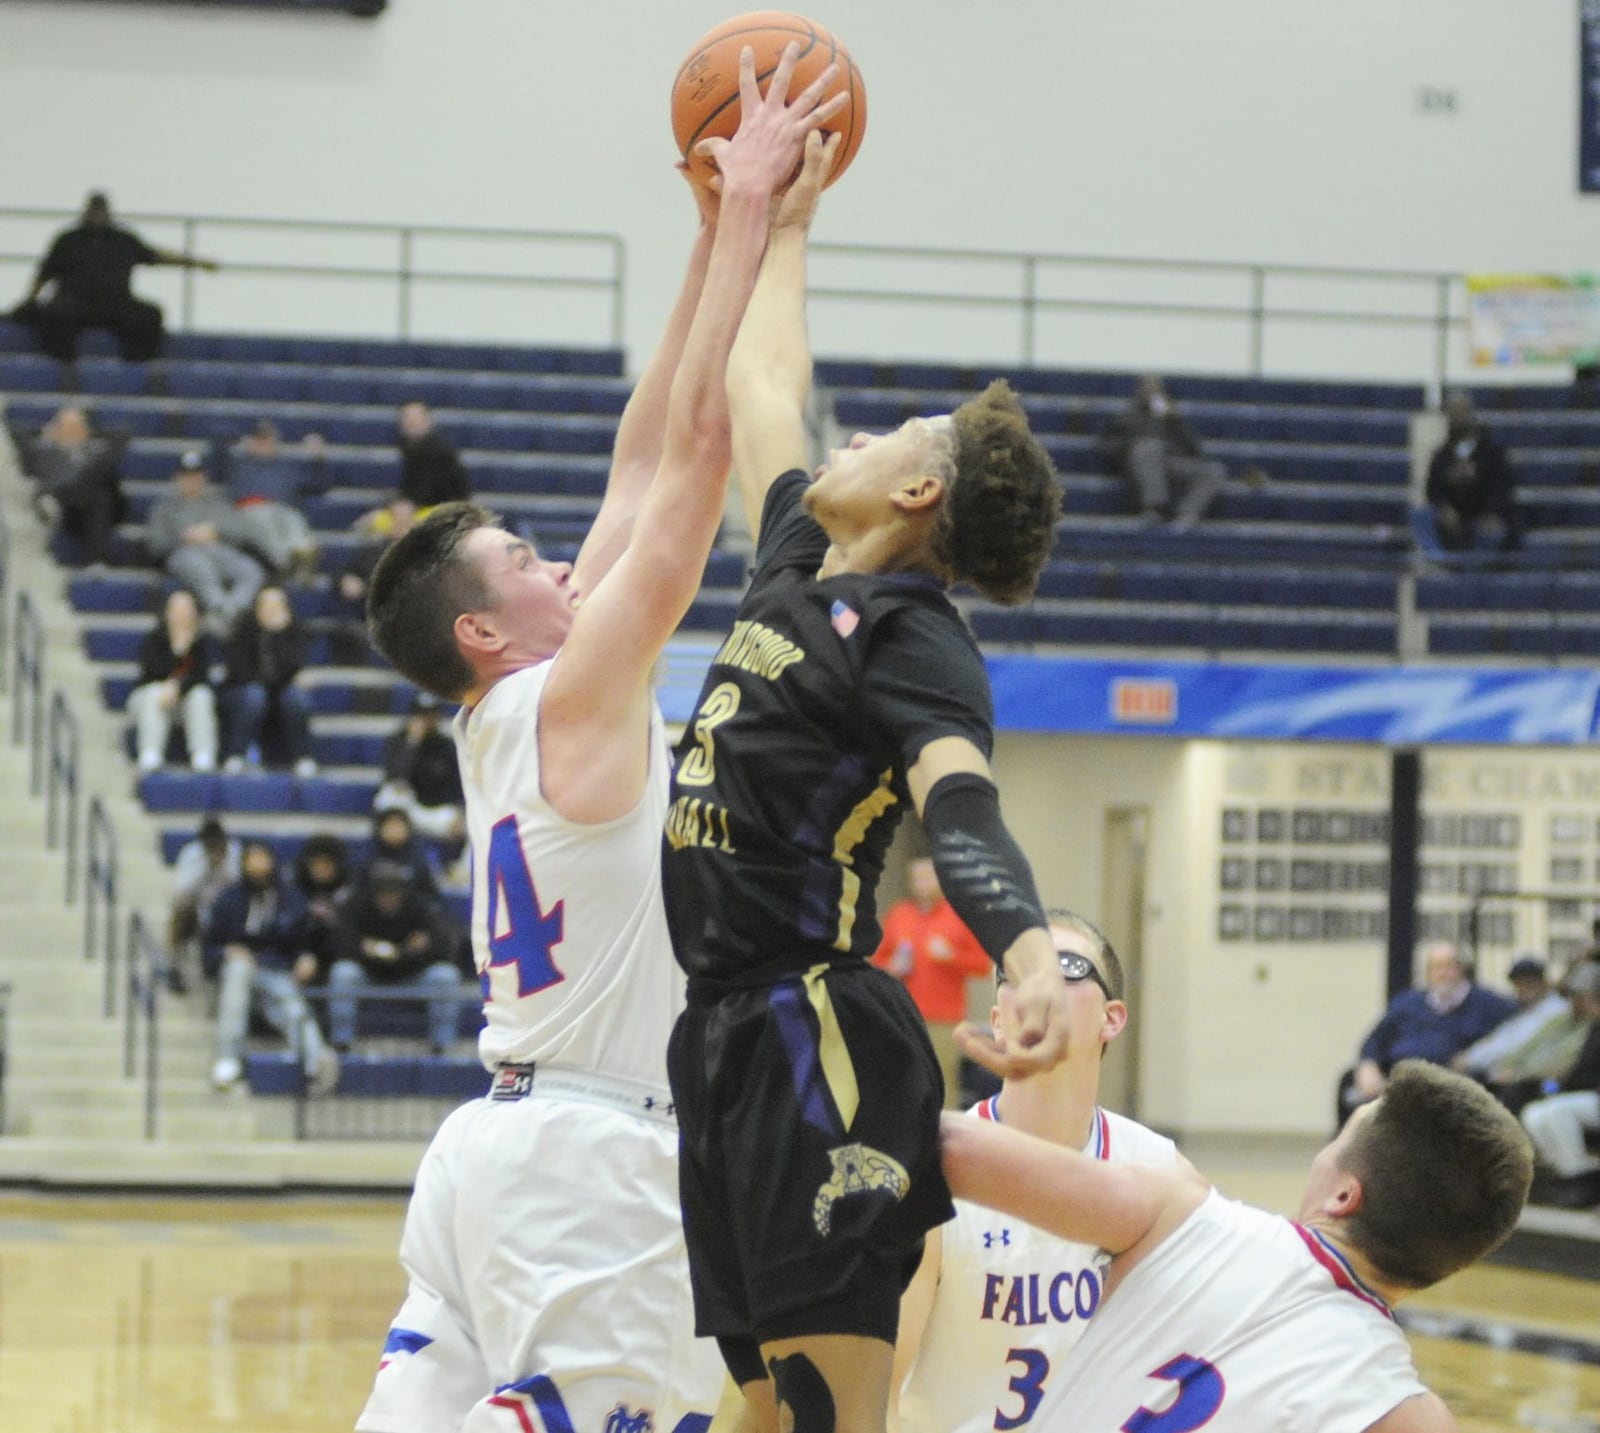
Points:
(790, 779)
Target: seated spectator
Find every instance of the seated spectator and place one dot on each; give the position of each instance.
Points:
(422, 777)
(393, 935)
(188, 533)
(1525, 1073)
(1158, 456)
(322, 876)
(431, 471)
(202, 868)
(1558, 1123)
(1537, 1005)
(179, 665)
(85, 280)
(266, 487)
(79, 479)
(1434, 1023)
(351, 643)
(395, 842)
(269, 715)
(253, 948)
(1470, 480)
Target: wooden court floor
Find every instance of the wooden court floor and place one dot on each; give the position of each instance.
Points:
(187, 1315)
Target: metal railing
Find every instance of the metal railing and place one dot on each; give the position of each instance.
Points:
(5, 1003)
(1254, 300)
(391, 255)
(146, 971)
(61, 789)
(100, 898)
(27, 687)
(5, 599)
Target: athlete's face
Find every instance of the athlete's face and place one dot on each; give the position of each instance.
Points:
(853, 488)
(534, 601)
(1096, 1019)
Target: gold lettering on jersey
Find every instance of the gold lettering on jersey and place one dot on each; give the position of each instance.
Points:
(752, 647)
(694, 821)
(850, 835)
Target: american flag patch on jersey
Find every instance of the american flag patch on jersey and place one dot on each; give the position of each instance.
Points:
(845, 619)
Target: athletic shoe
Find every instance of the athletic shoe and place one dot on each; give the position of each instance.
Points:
(227, 1072)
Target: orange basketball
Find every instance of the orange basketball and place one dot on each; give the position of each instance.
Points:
(705, 94)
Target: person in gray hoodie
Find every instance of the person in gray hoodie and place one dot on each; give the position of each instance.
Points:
(191, 533)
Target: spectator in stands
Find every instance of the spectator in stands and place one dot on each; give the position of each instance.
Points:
(180, 665)
(268, 712)
(927, 948)
(202, 868)
(189, 533)
(350, 591)
(1538, 1003)
(422, 777)
(88, 272)
(266, 486)
(1570, 1110)
(394, 841)
(79, 479)
(431, 471)
(253, 948)
(1434, 1023)
(1523, 1074)
(322, 876)
(1158, 456)
(393, 935)
(1469, 480)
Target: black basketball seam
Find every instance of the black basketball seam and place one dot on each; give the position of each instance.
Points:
(810, 35)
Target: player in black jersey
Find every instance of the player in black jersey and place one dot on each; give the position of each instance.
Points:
(849, 689)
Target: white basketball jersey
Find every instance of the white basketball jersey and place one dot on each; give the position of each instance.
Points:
(1239, 1322)
(568, 931)
(1011, 1301)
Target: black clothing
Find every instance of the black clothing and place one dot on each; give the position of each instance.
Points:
(1463, 487)
(806, 1089)
(411, 861)
(430, 767)
(199, 666)
(361, 919)
(1137, 422)
(324, 899)
(86, 481)
(791, 778)
(273, 659)
(91, 268)
(805, 1214)
(431, 471)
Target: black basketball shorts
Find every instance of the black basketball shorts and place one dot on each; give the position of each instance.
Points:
(809, 1164)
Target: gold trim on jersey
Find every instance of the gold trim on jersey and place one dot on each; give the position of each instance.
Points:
(850, 835)
(832, 1052)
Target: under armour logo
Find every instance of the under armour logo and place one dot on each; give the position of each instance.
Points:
(989, 1238)
(667, 1106)
(620, 1420)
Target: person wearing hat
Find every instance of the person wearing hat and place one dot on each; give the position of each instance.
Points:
(190, 532)
(1560, 1124)
(391, 934)
(88, 271)
(1539, 1006)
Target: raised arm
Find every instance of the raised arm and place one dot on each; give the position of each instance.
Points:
(596, 703)
(769, 372)
(641, 435)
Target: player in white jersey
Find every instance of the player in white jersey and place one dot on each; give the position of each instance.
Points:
(996, 1304)
(1220, 1316)
(548, 1282)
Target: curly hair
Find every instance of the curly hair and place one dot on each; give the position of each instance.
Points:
(997, 526)
(1444, 1170)
(422, 583)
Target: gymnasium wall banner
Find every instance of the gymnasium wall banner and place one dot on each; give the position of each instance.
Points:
(1393, 705)
(1515, 319)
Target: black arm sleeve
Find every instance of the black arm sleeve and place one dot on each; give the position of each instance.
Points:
(981, 869)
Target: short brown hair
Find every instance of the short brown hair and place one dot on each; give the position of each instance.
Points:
(1444, 1170)
(422, 583)
(996, 528)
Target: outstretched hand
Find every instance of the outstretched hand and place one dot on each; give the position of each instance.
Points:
(798, 206)
(1033, 1016)
(772, 130)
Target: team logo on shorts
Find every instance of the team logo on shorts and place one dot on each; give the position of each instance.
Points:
(857, 1169)
(620, 1420)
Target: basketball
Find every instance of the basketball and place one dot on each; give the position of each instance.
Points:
(705, 93)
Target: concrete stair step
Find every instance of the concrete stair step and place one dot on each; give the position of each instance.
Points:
(247, 1164)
